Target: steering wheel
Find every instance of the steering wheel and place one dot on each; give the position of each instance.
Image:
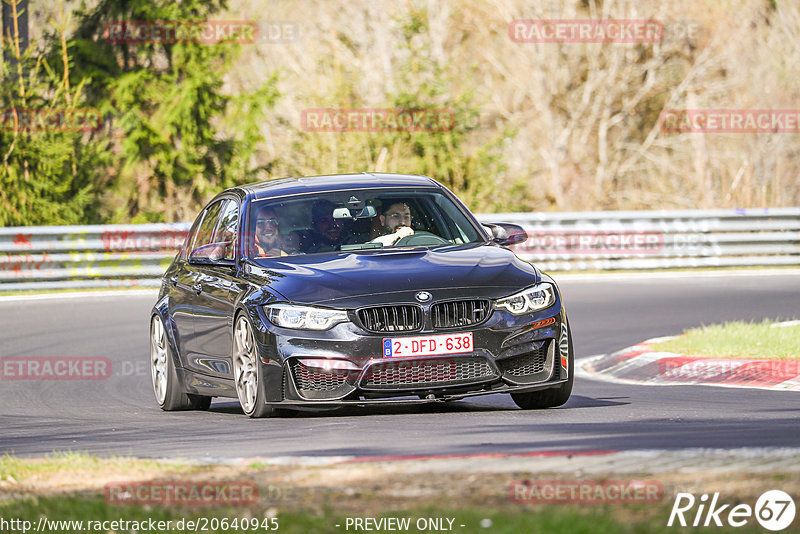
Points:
(421, 238)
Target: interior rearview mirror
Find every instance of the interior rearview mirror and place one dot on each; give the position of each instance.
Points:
(367, 212)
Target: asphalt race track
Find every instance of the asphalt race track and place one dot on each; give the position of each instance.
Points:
(118, 415)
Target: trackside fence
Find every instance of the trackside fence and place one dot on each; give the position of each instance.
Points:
(55, 257)
(658, 239)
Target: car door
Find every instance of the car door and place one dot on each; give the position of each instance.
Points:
(193, 351)
(180, 279)
(218, 290)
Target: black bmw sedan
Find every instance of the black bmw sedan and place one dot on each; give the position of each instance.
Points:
(355, 289)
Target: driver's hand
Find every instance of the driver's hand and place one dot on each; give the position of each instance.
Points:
(391, 239)
(404, 231)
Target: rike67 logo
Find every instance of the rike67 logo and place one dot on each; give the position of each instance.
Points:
(774, 510)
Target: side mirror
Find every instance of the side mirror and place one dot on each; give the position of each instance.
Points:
(507, 234)
(212, 254)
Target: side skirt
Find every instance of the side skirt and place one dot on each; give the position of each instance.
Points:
(209, 386)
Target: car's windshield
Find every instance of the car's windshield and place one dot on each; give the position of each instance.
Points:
(356, 220)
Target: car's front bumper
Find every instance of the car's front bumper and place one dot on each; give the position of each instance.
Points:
(511, 355)
(431, 398)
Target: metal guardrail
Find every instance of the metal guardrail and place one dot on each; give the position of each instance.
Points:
(658, 239)
(55, 257)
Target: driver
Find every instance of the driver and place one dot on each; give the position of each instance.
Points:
(396, 222)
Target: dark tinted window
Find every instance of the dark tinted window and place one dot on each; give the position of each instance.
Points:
(227, 229)
(187, 244)
(205, 232)
(355, 220)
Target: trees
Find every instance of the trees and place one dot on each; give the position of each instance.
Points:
(179, 136)
(365, 74)
(547, 126)
(48, 150)
(170, 135)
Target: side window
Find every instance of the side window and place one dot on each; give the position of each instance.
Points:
(187, 244)
(227, 230)
(205, 233)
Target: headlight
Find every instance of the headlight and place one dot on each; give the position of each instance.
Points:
(304, 317)
(533, 299)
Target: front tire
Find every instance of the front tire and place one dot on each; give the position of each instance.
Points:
(550, 398)
(247, 372)
(166, 387)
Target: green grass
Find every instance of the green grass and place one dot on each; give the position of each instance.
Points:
(311, 509)
(20, 469)
(737, 339)
(572, 519)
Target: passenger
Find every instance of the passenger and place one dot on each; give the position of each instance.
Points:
(396, 222)
(268, 240)
(327, 233)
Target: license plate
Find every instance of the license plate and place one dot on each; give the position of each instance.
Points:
(427, 345)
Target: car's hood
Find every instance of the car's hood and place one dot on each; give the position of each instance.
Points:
(318, 278)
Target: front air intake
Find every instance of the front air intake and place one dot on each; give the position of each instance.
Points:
(460, 313)
(383, 319)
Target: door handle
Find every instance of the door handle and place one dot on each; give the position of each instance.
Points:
(197, 288)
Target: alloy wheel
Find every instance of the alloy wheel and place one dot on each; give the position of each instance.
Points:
(158, 359)
(244, 365)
